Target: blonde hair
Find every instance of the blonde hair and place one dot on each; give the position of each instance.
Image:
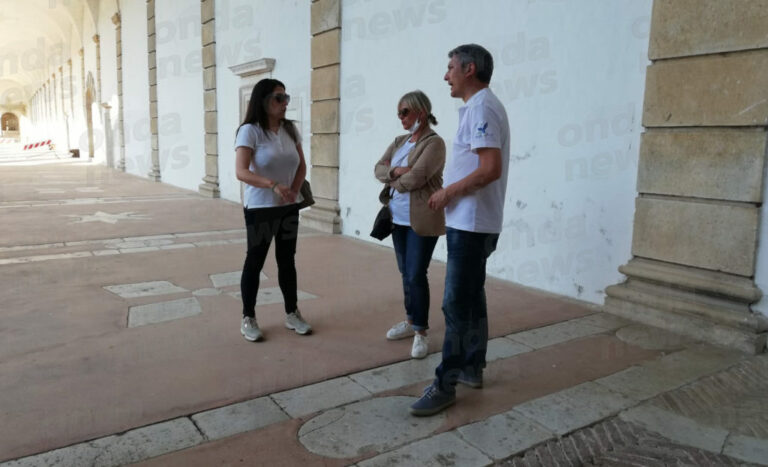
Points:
(417, 101)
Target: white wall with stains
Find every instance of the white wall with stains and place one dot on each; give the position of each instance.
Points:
(571, 75)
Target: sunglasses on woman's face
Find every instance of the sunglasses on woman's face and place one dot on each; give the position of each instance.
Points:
(282, 98)
(402, 113)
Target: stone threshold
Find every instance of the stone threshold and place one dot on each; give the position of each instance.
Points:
(479, 443)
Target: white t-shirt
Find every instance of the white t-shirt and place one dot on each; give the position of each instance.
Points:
(482, 124)
(400, 204)
(274, 156)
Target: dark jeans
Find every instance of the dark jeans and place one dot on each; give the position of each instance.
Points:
(262, 225)
(466, 314)
(413, 253)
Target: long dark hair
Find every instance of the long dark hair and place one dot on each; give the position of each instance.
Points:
(257, 108)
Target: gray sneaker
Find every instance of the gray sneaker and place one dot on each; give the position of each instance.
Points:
(250, 329)
(296, 322)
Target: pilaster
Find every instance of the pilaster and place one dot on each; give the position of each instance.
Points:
(97, 41)
(154, 173)
(210, 185)
(700, 175)
(326, 100)
(116, 20)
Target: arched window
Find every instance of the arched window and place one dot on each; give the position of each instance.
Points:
(9, 122)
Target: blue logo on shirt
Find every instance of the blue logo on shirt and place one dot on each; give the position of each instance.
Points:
(481, 130)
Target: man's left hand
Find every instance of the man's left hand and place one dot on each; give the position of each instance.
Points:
(439, 199)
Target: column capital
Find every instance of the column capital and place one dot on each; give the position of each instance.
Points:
(81, 52)
(61, 69)
(116, 19)
(96, 38)
(69, 62)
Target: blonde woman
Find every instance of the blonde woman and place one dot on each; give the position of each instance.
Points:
(412, 167)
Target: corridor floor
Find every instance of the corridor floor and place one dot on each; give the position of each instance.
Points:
(120, 343)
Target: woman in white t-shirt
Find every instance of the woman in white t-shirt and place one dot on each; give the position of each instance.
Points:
(412, 169)
(270, 161)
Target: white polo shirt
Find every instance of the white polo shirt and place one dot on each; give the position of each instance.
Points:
(274, 156)
(482, 124)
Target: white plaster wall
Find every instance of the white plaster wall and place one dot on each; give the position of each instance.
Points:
(761, 269)
(138, 149)
(247, 31)
(571, 75)
(180, 93)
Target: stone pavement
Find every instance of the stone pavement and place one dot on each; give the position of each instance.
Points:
(119, 344)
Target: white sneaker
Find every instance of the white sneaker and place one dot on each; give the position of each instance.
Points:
(400, 330)
(419, 349)
(296, 322)
(249, 328)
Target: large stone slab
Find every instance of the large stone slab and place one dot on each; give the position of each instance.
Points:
(164, 311)
(325, 118)
(326, 15)
(144, 289)
(325, 182)
(670, 372)
(368, 427)
(504, 435)
(272, 295)
(325, 150)
(239, 418)
(712, 236)
(714, 90)
(555, 334)
(574, 408)
(325, 83)
(133, 446)
(226, 279)
(442, 450)
(692, 27)
(326, 48)
(398, 374)
(703, 163)
(320, 396)
(680, 429)
(747, 448)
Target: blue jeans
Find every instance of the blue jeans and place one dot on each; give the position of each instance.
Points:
(413, 253)
(466, 314)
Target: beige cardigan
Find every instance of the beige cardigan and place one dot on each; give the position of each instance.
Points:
(426, 160)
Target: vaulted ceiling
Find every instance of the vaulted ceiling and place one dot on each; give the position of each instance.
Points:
(36, 37)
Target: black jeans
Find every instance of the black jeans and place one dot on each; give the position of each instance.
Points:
(262, 225)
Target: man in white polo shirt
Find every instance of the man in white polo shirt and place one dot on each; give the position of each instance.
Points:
(473, 197)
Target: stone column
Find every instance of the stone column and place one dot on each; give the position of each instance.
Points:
(71, 90)
(49, 113)
(120, 121)
(97, 41)
(61, 80)
(700, 175)
(154, 173)
(64, 115)
(210, 185)
(82, 83)
(326, 98)
(108, 139)
(53, 97)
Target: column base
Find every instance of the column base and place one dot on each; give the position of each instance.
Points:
(323, 216)
(209, 190)
(706, 305)
(154, 174)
